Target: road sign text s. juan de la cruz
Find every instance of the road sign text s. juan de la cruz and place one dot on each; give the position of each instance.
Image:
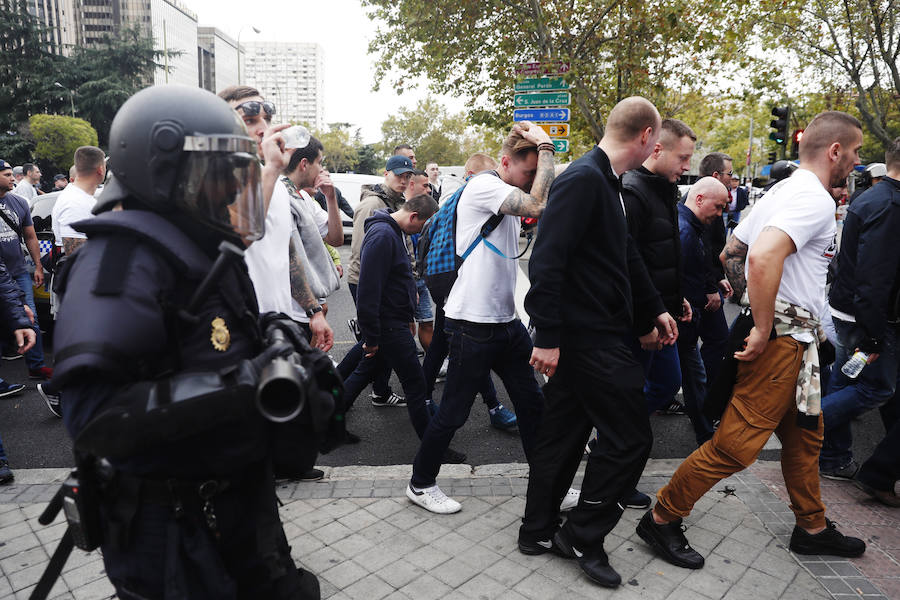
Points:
(543, 99)
(541, 114)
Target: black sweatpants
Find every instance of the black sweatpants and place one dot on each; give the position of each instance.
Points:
(600, 388)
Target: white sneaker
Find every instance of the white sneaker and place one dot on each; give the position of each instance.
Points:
(433, 500)
(570, 500)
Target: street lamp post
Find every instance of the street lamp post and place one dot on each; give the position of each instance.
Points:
(240, 31)
(71, 96)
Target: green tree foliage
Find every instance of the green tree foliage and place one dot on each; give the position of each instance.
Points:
(341, 147)
(616, 48)
(851, 45)
(436, 135)
(367, 161)
(56, 138)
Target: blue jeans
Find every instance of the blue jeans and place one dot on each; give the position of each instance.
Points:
(381, 376)
(435, 356)
(34, 358)
(662, 373)
(850, 398)
(398, 349)
(475, 350)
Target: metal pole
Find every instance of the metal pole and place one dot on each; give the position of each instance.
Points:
(166, 50)
(72, 102)
(239, 54)
(749, 147)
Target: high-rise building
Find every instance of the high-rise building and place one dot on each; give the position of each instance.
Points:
(218, 59)
(290, 74)
(57, 18)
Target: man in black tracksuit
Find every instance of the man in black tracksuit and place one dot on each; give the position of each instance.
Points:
(864, 302)
(589, 290)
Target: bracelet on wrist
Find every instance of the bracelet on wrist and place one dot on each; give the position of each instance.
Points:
(547, 146)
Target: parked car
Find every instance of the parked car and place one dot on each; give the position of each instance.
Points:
(350, 185)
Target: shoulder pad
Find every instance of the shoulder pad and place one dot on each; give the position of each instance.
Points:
(150, 228)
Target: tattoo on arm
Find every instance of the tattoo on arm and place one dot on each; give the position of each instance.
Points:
(300, 290)
(733, 258)
(532, 205)
(70, 245)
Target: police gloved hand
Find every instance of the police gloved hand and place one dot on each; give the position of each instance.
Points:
(292, 331)
(826, 353)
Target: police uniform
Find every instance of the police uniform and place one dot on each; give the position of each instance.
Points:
(162, 387)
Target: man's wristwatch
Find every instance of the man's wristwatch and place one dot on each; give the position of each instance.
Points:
(310, 312)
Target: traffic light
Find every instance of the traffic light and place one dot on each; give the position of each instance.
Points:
(773, 156)
(780, 124)
(795, 144)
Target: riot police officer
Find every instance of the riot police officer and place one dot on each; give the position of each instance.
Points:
(159, 355)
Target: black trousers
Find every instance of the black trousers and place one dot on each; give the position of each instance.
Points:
(600, 388)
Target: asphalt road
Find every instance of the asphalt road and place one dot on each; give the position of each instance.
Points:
(33, 438)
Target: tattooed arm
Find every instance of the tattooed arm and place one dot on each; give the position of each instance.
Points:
(70, 245)
(522, 204)
(322, 335)
(733, 257)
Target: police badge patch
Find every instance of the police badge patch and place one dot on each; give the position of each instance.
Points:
(221, 337)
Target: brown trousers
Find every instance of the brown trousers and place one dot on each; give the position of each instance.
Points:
(763, 402)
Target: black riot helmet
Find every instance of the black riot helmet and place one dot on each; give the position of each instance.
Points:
(781, 170)
(181, 150)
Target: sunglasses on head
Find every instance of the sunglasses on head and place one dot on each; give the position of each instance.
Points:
(251, 108)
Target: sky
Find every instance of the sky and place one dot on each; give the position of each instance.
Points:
(343, 30)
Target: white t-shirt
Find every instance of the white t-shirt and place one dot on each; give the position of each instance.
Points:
(268, 258)
(484, 288)
(804, 210)
(26, 190)
(72, 205)
(320, 217)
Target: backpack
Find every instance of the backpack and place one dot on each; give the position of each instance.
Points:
(437, 260)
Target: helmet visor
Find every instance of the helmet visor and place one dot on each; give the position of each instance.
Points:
(223, 189)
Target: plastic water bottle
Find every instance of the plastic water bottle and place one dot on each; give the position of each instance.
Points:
(296, 136)
(854, 366)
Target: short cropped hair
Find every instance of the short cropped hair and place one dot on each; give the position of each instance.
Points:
(28, 168)
(310, 152)
(825, 129)
(892, 155)
(479, 162)
(418, 173)
(238, 92)
(400, 147)
(674, 130)
(88, 159)
(630, 117)
(714, 162)
(423, 204)
(516, 146)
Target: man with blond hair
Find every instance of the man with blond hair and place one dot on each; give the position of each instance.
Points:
(784, 247)
(485, 334)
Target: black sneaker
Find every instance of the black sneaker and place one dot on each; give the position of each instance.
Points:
(393, 400)
(10, 389)
(452, 457)
(830, 542)
(313, 475)
(354, 329)
(595, 563)
(844, 473)
(533, 548)
(675, 408)
(669, 542)
(6, 474)
(636, 500)
(52, 400)
(12, 356)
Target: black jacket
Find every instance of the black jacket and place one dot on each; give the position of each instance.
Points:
(589, 286)
(867, 283)
(650, 202)
(696, 278)
(387, 292)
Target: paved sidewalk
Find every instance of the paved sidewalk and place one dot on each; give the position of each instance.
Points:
(360, 535)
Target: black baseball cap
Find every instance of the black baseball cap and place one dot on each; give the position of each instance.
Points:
(59, 176)
(399, 165)
(4, 165)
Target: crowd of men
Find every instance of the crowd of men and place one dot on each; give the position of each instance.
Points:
(628, 283)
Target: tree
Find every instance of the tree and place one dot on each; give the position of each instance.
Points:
(56, 138)
(367, 160)
(616, 48)
(436, 135)
(851, 44)
(340, 147)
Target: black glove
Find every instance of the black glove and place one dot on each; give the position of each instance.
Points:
(292, 332)
(826, 353)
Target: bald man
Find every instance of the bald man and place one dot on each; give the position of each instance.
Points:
(704, 204)
(589, 291)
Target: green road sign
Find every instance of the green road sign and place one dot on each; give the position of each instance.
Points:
(561, 145)
(550, 99)
(541, 84)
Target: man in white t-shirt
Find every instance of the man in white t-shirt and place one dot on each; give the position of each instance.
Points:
(76, 201)
(28, 187)
(481, 322)
(788, 241)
